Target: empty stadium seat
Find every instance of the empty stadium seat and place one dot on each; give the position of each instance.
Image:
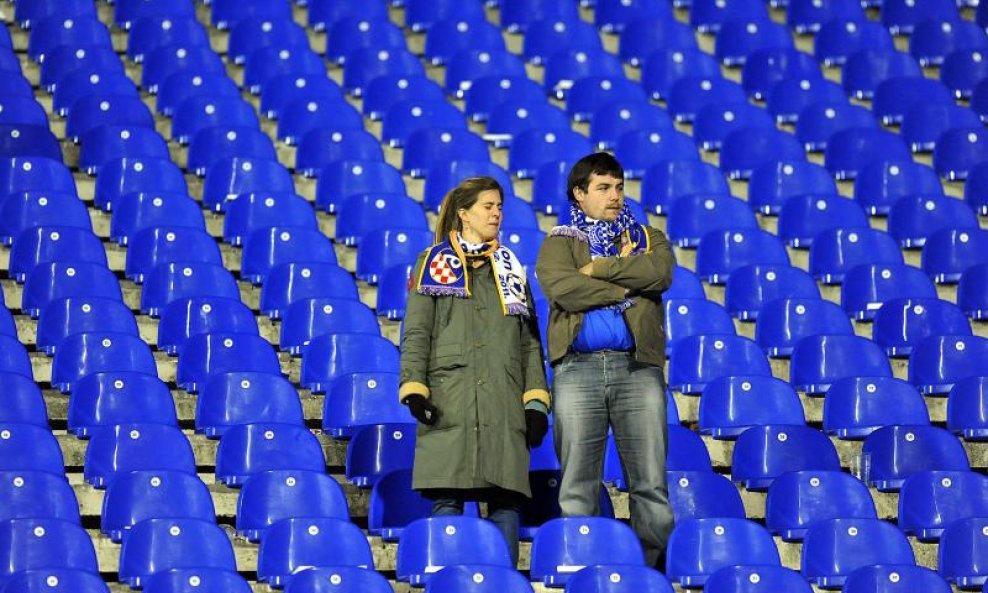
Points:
(707, 16)
(950, 251)
(763, 453)
(25, 210)
(56, 30)
(23, 403)
(38, 141)
(699, 547)
(44, 543)
(904, 322)
(271, 496)
(798, 499)
(158, 494)
(834, 548)
(350, 34)
(694, 317)
(377, 449)
(119, 397)
(836, 251)
(803, 217)
(125, 175)
(392, 291)
(360, 399)
(643, 148)
(267, 247)
(310, 318)
(384, 92)
(443, 541)
(193, 81)
(687, 452)
(183, 318)
(664, 67)
(896, 96)
(14, 358)
(120, 448)
(898, 452)
(912, 219)
(231, 177)
(565, 543)
(849, 151)
(693, 216)
(966, 411)
(806, 16)
(868, 286)
(253, 211)
(698, 360)
(283, 90)
(28, 447)
(45, 244)
(749, 579)
(29, 494)
(340, 579)
(772, 184)
(362, 213)
(962, 69)
(929, 501)
(225, 141)
(206, 580)
(176, 280)
(137, 211)
(246, 397)
(81, 354)
(251, 34)
(219, 352)
(737, 39)
(884, 578)
(731, 405)
(322, 147)
(819, 121)
(752, 287)
(939, 361)
(511, 118)
(19, 174)
(960, 553)
(289, 282)
(866, 69)
(226, 14)
(689, 94)
(105, 144)
(342, 179)
(478, 578)
(972, 295)
(157, 545)
(722, 252)
(96, 110)
(394, 504)
(299, 544)
(364, 65)
(819, 360)
(305, 114)
(158, 246)
(148, 33)
(857, 406)
(783, 322)
(57, 580)
(902, 17)
(699, 495)
(788, 98)
(32, 12)
(69, 316)
(958, 150)
(448, 36)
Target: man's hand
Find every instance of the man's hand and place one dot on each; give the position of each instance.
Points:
(536, 426)
(626, 248)
(424, 410)
(587, 270)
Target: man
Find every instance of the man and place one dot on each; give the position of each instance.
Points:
(604, 275)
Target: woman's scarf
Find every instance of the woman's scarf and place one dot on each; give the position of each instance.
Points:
(446, 272)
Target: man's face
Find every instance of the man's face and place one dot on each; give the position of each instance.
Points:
(603, 199)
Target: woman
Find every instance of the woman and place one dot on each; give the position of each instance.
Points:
(471, 364)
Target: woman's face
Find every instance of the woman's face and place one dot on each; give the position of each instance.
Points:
(482, 221)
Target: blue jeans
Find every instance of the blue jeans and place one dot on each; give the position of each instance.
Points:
(592, 391)
(503, 510)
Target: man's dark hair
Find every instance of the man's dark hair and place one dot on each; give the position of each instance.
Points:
(598, 163)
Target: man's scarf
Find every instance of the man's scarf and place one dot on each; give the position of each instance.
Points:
(604, 238)
(446, 272)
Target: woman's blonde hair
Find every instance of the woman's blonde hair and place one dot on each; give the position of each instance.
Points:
(462, 197)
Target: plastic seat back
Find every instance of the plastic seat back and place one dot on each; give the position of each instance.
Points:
(857, 406)
(834, 548)
(342, 179)
(22, 400)
(967, 408)
(29, 494)
(865, 69)
(394, 504)
(850, 150)
(700, 547)
(361, 399)
(75, 315)
(24, 210)
(819, 360)
(698, 495)
(207, 580)
(44, 543)
(227, 140)
(691, 217)
(798, 499)
(127, 175)
(698, 360)
(14, 358)
(972, 291)
(896, 96)
(902, 323)
(783, 322)
(377, 449)
(888, 578)
(751, 579)
(231, 177)
(119, 397)
(752, 287)
(958, 150)
(938, 362)
(665, 182)
(246, 397)
(135, 496)
(763, 453)
(692, 317)
(85, 353)
(948, 253)
(867, 287)
(772, 184)
(271, 496)
(157, 545)
(929, 501)
(108, 143)
(730, 405)
(162, 245)
(898, 452)
(748, 148)
(138, 211)
(187, 317)
(803, 217)
(960, 555)
(562, 544)
(335, 355)
(296, 544)
(913, 219)
(289, 282)
(322, 147)
(168, 282)
(57, 580)
(362, 213)
(120, 448)
(217, 352)
(836, 251)
(44, 244)
(722, 252)
(267, 247)
(246, 450)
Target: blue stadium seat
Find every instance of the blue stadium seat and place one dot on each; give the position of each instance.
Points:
(156, 494)
(949, 252)
(305, 114)
(902, 323)
(44, 543)
(108, 143)
(707, 16)
(763, 453)
(335, 355)
(613, 119)
(226, 14)
(267, 247)
(543, 506)
(32, 12)
(293, 545)
(590, 93)
(898, 452)
(445, 176)
(201, 112)
(373, 32)
(643, 38)
(694, 317)
(25, 210)
(803, 217)
(148, 33)
(513, 117)
(25, 141)
(386, 91)
(406, 117)
(722, 252)
(248, 213)
(478, 578)
(97, 109)
(962, 69)
(931, 500)
(487, 92)
(958, 150)
(22, 402)
(537, 147)
(156, 545)
(730, 405)
(237, 398)
(220, 142)
(868, 286)
(972, 291)
(207, 354)
(57, 580)
(21, 174)
(392, 291)
(7, 325)
(546, 36)
(250, 35)
(960, 553)
(716, 121)
(14, 358)
(361, 399)
(69, 316)
(561, 544)
(807, 16)
(323, 14)
(865, 69)
(423, 15)
(309, 318)
(836, 251)
(364, 65)
(518, 15)
(376, 449)
(525, 244)
(29, 494)
(128, 175)
(339, 579)
(974, 193)
(925, 122)
(933, 40)
(28, 447)
(117, 449)
(46, 244)
(751, 579)
(783, 322)
(428, 147)
(914, 218)
(699, 547)
(18, 110)
(55, 280)
(644, 148)
(752, 287)
(323, 147)
(700, 494)
(737, 39)
(835, 548)
(345, 178)
(161, 63)
(766, 68)
(818, 122)
(138, 211)
(56, 30)
(192, 81)
(207, 580)
(850, 151)
(967, 413)
(798, 499)
(821, 359)
(691, 217)
(360, 214)
(549, 187)
(789, 97)
(448, 36)
(175, 280)
(289, 282)
(773, 184)
(270, 496)
(284, 89)
(663, 68)
(186, 317)
(613, 16)
(666, 181)
(445, 541)
(247, 450)
(393, 505)
(940, 361)
(689, 94)
(119, 397)
(885, 578)
(857, 406)
(751, 147)
(232, 177)
(902, 17)
(698, 360)
(165, 245)
(882, 182)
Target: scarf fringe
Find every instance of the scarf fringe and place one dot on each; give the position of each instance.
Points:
(569, 231)
(440, 291)
(518, 309)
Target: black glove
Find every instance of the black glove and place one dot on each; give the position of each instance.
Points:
(536, 425)
(424, 410)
